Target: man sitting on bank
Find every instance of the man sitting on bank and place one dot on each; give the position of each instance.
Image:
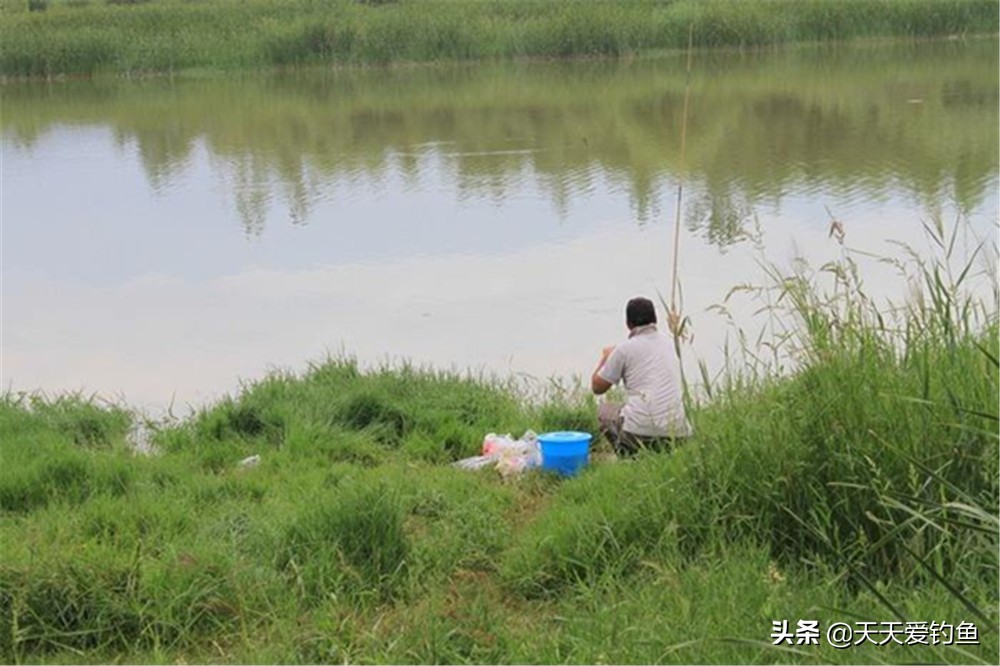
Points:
(653, 414)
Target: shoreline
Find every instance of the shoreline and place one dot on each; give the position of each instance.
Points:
(198, 73)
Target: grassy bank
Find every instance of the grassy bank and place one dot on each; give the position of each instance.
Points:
(863, 488)
(92, 36)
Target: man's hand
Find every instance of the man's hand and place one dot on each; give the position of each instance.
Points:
(598, 384)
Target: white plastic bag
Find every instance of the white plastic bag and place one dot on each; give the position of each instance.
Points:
(518, 455)
(475, 462)
(511, 456)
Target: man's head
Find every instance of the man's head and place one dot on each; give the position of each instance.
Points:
(639, 311)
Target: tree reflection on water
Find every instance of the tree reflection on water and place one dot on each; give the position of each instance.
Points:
(847, 121)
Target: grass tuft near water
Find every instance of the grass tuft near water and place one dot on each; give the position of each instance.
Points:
(862, 486)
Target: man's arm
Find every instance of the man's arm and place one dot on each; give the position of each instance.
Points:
(599, 385)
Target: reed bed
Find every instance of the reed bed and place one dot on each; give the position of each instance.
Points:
(862, 486)
(45, 38)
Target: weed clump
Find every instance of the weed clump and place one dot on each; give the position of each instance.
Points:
(349, 542)
(245, 420)
(75, 605)
(368, 411)
(60, 451)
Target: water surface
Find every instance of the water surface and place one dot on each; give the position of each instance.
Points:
(165, 239)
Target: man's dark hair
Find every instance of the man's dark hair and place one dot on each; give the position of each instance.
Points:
(639, 312)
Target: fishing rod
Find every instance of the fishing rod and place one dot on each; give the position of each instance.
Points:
(674, 320)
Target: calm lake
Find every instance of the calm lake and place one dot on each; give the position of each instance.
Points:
(166, 239)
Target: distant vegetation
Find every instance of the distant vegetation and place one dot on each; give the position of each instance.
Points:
(863, 488)
(43, 38)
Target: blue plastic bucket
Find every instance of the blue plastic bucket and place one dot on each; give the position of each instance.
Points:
(565, 452)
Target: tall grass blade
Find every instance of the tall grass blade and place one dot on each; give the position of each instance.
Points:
(850, 565)
(975, 610)
(993, 359)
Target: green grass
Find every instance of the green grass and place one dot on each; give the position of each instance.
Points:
(81, 37)
(862, 487)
